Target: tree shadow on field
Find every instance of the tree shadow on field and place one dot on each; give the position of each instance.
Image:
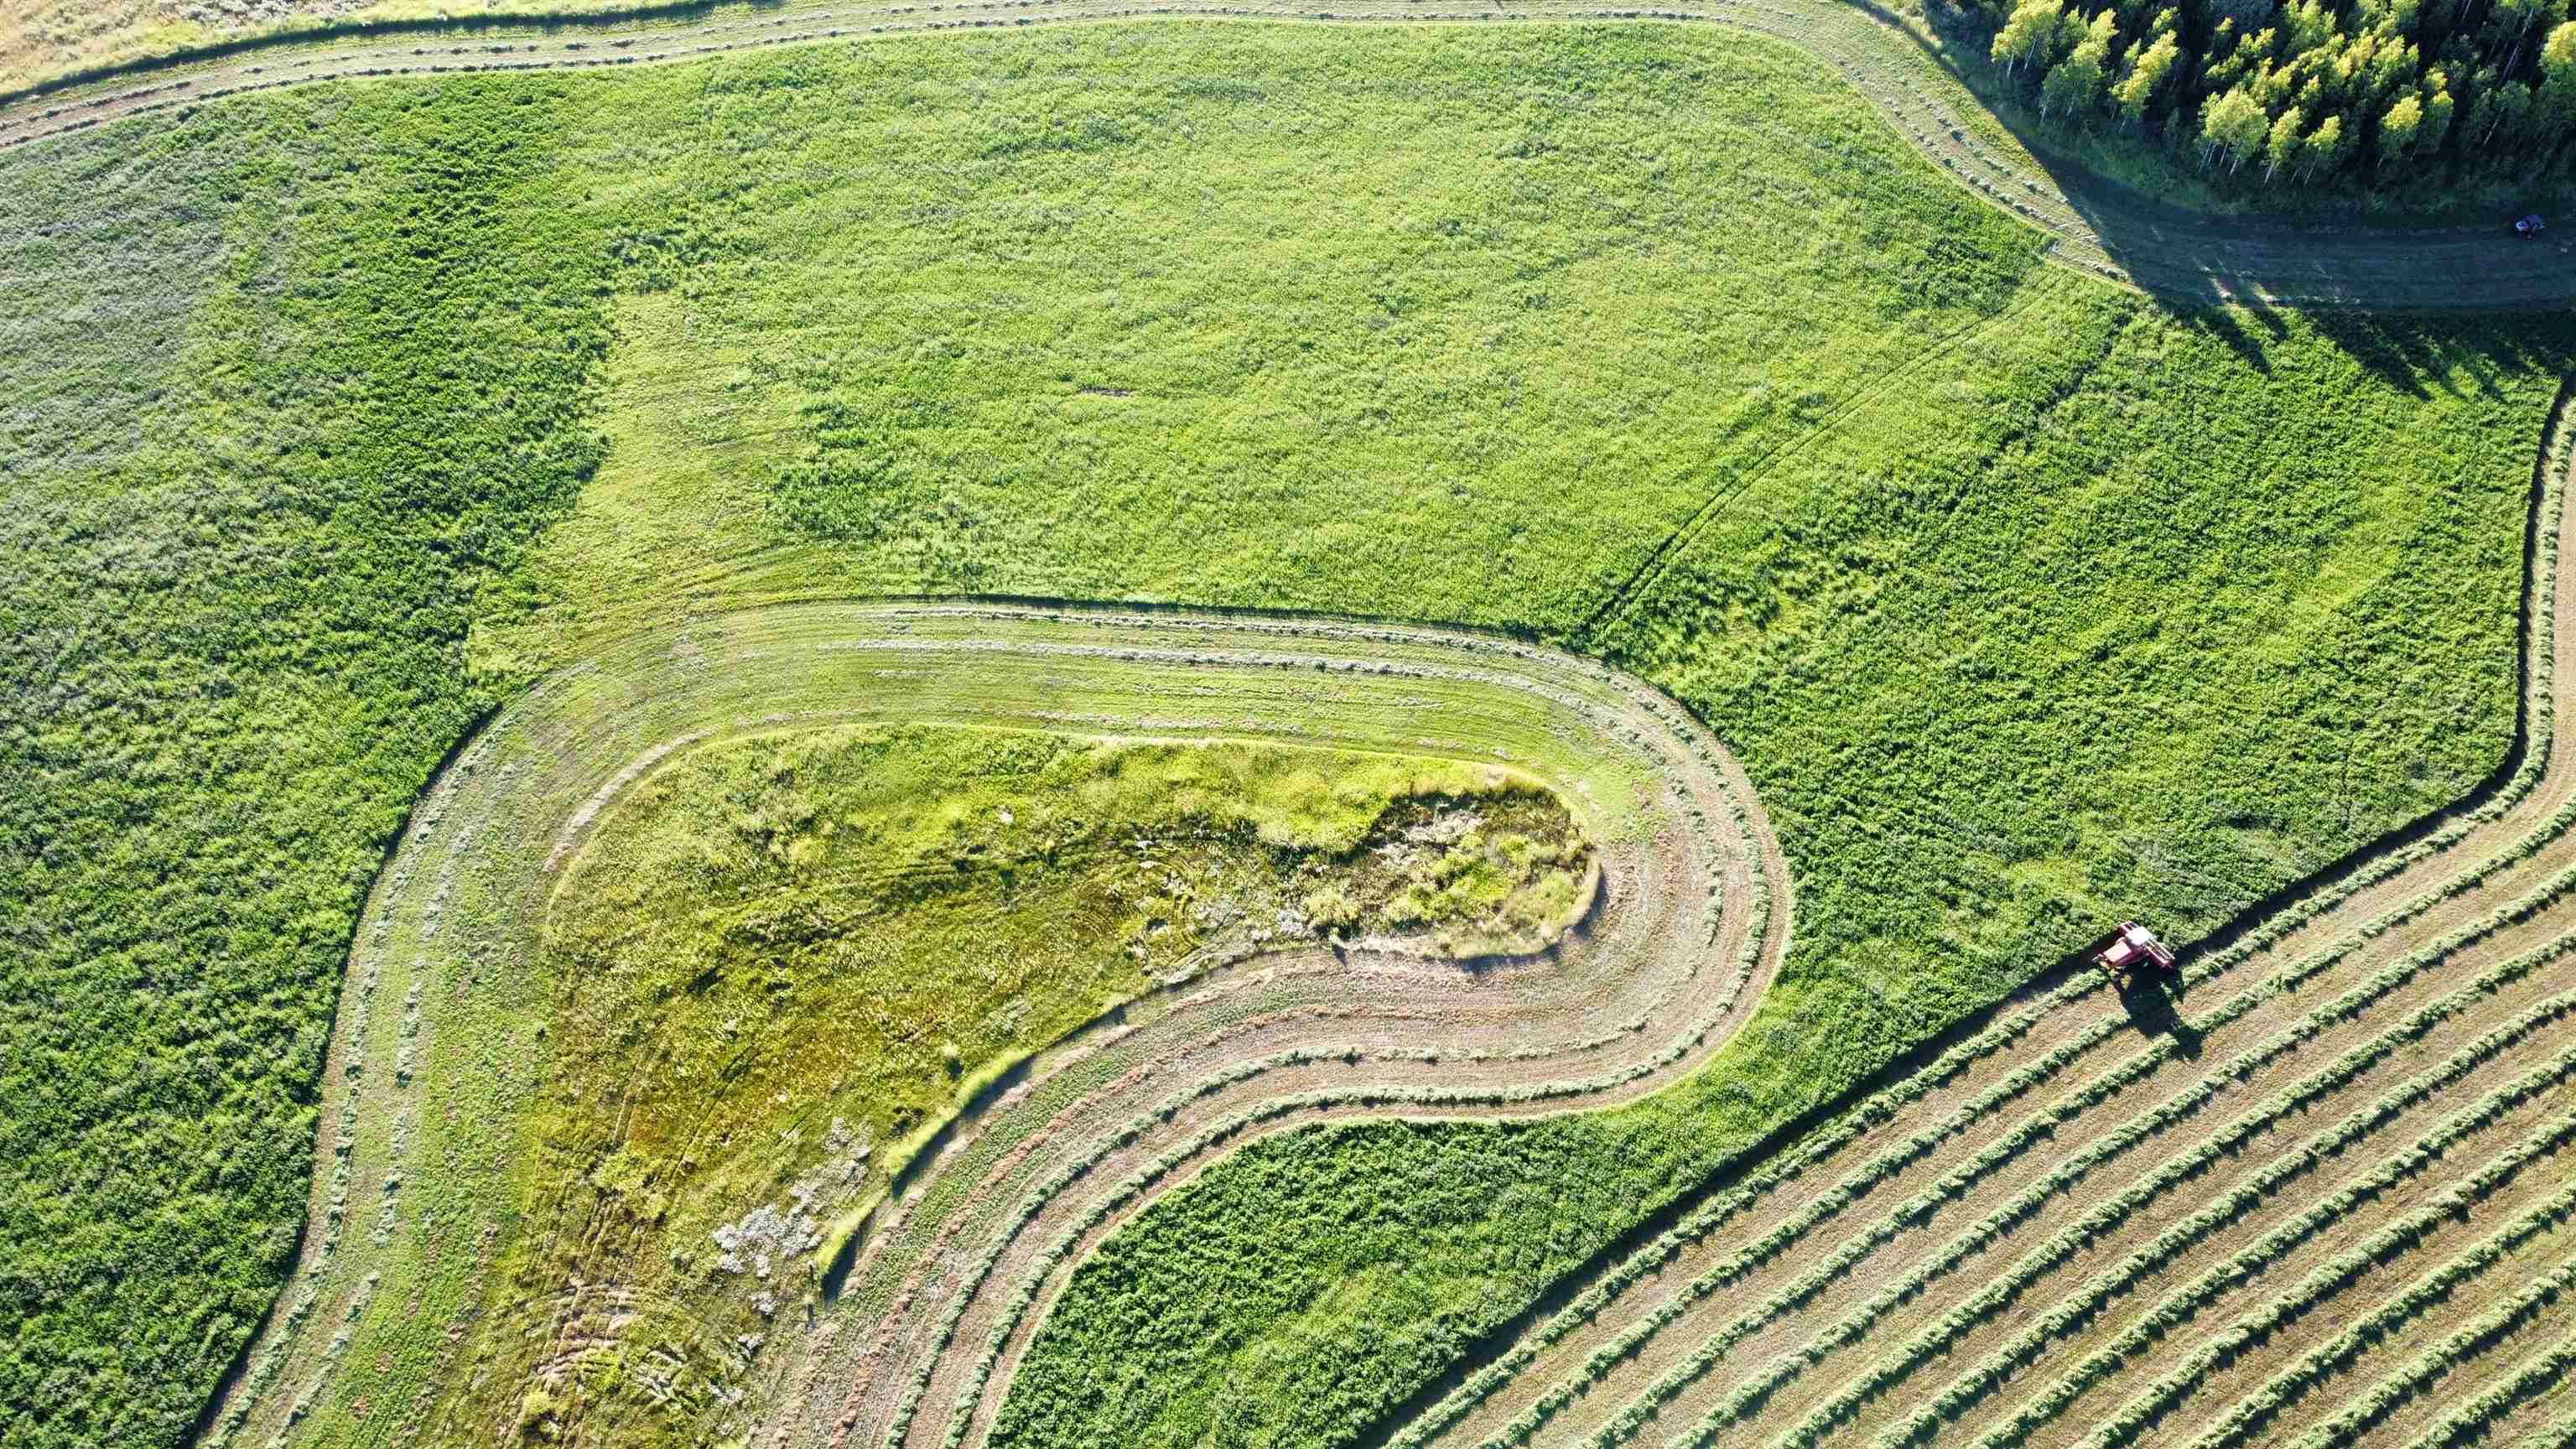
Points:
(2327, 252)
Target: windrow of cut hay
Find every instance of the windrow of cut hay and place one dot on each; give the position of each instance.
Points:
(947, 1268)
(2065, 1227)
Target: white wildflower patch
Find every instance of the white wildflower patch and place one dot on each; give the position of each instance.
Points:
(756, 1241)
(762, 1240)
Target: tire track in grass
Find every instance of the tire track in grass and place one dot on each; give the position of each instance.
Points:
(2112, 233)
(1651, 570)
(2421, 892)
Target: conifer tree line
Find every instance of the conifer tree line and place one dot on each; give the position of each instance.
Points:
(2302, 93)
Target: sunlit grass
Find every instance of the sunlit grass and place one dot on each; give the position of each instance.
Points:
(2028, 602)
(782, 960)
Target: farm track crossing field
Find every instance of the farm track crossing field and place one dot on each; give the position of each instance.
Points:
(2175, 254)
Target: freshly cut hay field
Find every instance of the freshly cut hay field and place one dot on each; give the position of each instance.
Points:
(331, 416)
(2317, 1193)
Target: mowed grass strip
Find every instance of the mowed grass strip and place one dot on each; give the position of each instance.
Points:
(2253, 1041)
(2014, 1179)
(458, 1075)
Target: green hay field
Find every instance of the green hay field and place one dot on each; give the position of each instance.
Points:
(329, 418)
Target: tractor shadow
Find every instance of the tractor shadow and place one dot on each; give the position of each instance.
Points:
(2153, 1003)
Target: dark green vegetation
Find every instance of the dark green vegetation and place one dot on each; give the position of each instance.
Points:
(2312, 93)
(281, 388)
(782, 960)
(2029, 603)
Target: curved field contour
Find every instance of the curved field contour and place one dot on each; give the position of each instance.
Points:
(2094, 229)
(2327, 1201)
(919, 1325)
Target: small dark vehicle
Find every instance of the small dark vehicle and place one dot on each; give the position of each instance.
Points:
(2530, 226)
(2133, 953)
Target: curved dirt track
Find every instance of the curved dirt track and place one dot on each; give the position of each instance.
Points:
(1691, 924)
(2093, 228)
(2322, 1198)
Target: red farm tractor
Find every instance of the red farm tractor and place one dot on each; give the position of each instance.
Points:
(2133, 952)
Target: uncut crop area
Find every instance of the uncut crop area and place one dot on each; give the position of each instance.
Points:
(2322, 1198)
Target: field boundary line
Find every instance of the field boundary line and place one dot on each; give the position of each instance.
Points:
(2132, 241)
(2317, 904)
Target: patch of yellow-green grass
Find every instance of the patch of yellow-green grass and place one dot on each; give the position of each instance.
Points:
(785, 960)
(676, 515)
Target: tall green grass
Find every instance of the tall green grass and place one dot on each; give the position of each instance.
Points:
(322, 379)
